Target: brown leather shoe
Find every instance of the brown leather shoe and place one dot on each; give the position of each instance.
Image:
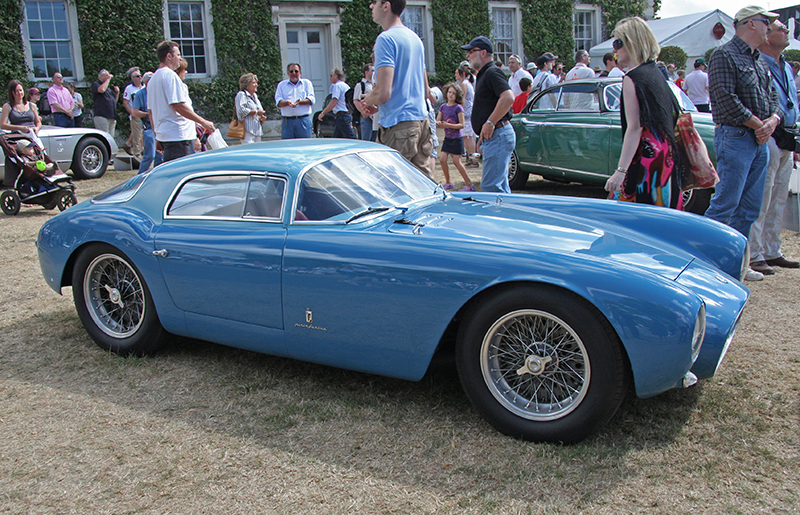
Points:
(783, 262)
(763, 267)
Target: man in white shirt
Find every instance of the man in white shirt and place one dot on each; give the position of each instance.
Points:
(517, 74)
(295, 98)
(581, 69)
(338, 104)
(696, 86)
(173, 119)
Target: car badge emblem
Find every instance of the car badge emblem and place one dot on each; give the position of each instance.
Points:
(721, 279)
(309, 316)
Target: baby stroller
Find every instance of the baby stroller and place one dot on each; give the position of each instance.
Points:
(48, 187)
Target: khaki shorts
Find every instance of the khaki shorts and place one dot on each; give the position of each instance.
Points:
(412, 139)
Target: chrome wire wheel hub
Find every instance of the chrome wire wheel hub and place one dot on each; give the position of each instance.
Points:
(91, 159)
(114, 296)
(535, 365)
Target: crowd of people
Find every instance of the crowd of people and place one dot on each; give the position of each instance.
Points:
(748, 87)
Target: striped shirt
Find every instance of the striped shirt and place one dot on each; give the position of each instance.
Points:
(740, 85)
(245, 102)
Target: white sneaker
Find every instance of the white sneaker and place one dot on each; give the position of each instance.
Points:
(753, 275)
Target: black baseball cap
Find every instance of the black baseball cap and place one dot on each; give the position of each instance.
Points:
(481, 42)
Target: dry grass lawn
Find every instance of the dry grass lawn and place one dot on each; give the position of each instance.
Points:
(202, 428)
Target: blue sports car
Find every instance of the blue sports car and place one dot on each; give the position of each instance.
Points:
(339, 252)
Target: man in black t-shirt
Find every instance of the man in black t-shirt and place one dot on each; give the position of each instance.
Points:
(491, 114)
(105, 102)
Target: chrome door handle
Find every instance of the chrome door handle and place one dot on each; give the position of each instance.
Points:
(162, 253)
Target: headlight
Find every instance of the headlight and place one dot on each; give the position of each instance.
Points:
(699, 332)
(745, 262)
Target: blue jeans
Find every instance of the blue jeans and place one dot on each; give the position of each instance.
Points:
(149, 155)
(62, 120)
(292, 128)
(342, 128)
(496, 156)
(366, 129)
(742, 168)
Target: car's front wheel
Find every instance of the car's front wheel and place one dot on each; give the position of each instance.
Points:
(516, 177)
(90, 159)
(541, 364)
(114, 303)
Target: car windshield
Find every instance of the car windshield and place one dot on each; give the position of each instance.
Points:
(612, 93)
(349, 185)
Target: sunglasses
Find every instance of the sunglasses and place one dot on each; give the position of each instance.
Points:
(766, 21)
(134, 76)
(617, 44)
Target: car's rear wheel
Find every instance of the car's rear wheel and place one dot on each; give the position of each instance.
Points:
(697, 200)
(516, 177)
(66, 200)
(541, 364)
(90, 159)
(10, 203)
(114, 303)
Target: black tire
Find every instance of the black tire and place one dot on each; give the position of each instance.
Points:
(90, 159)
(516, 177)
(114, 303)
(66, 200)
(697, 201)
(560, 374)
(9, 200)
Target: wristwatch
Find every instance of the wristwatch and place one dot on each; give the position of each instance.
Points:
(490, 122)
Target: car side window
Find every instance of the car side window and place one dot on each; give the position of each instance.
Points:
(611, 96)
(230, 196)
(265, 197)
(547, 101)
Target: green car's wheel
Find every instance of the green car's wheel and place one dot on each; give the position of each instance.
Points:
(516, 177)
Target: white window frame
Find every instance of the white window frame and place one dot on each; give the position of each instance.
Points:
(208, 30)
(517, 46)
(74, 39)
(427, 28)
(595, 23)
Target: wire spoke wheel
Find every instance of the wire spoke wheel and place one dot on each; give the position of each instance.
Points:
(114, 296)
(535, 365)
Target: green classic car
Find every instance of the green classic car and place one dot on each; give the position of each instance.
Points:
(571, 133)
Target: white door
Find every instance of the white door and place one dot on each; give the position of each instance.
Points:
(308, 45)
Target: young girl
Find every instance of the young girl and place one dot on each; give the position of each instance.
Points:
(451, 119)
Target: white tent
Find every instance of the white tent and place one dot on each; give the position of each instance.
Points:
(691, 32)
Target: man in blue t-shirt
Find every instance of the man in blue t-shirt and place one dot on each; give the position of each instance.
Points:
(401, 87)
(138, 106)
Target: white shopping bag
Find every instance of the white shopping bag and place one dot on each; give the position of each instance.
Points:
(215, 141)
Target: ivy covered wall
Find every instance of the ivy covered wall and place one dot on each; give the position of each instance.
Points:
(547, 27)
(12, 58)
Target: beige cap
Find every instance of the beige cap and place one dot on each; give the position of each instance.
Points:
(754, 10)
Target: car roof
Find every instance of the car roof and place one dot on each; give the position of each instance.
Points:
(282, 156)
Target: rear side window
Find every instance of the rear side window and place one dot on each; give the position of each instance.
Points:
(230, 196)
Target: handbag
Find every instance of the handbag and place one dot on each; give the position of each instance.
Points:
(697, 170)
(236, 128)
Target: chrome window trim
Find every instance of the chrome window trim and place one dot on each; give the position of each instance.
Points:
(218, 173)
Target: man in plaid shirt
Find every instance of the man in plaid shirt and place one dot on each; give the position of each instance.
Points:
(746, 111)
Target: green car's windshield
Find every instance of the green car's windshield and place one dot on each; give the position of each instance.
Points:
(338, 189)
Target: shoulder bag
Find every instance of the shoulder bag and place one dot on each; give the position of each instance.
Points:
(236, 128)
(697, 170)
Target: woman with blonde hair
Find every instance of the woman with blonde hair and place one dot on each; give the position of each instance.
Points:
(646, 171)
(248, 108)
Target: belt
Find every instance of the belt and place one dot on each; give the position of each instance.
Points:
(500, 124)
(295, 117)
